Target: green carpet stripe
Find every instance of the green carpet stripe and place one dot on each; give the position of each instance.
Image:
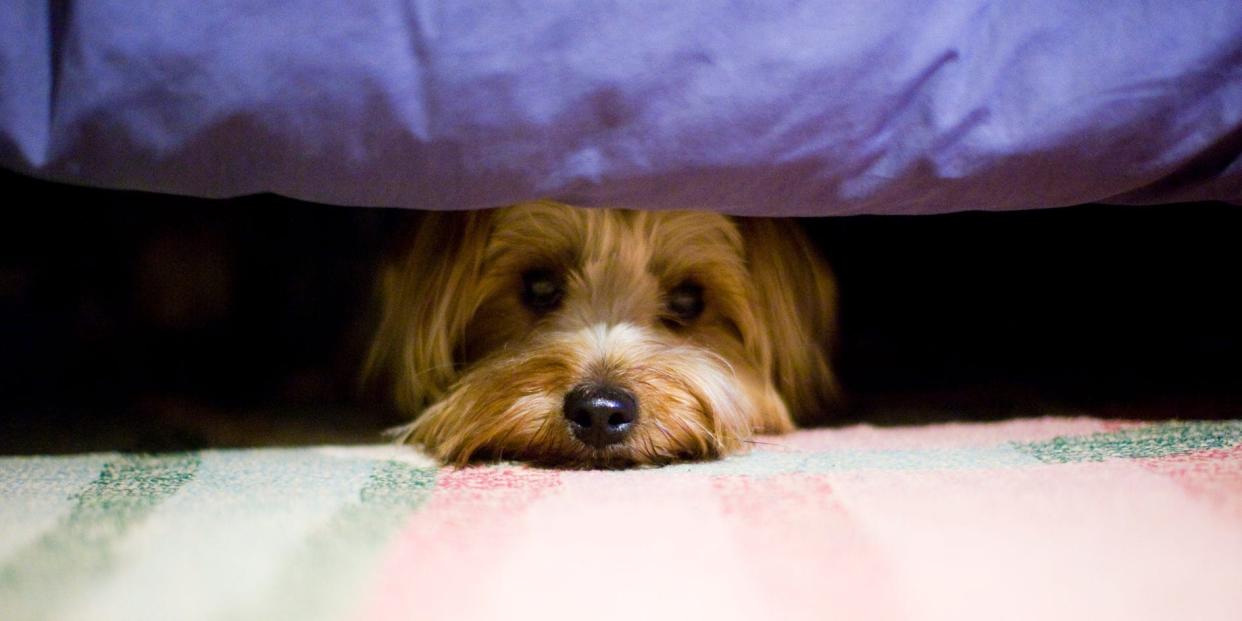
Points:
(41, 576)
(325, 575)
(1159, 440)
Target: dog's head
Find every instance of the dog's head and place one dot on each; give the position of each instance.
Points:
(603, 338)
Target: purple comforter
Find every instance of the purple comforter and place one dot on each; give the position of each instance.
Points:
(767, 107)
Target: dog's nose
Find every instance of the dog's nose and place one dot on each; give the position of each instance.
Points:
(600, 415)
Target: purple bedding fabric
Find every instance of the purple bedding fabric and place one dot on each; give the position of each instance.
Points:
(768, 107)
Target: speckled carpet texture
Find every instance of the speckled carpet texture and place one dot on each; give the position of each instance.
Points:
(1026, 519)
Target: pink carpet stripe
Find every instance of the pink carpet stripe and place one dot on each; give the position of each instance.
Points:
(626, 546)
(1212, 478)
(950, 435)
(804, 551)
(446, 556)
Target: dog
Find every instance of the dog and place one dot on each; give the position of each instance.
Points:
(604, 338)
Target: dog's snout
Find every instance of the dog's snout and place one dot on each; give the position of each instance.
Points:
(600, 415)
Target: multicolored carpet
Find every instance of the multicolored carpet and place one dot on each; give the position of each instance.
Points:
(1035, 518)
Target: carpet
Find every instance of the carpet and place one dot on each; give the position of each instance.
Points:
(1023, 519)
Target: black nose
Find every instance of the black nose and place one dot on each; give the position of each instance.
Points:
(600, 415)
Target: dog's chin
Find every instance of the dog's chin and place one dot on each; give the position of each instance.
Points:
(558, 448)
(543, 437)
(579, 456)
(691, 406)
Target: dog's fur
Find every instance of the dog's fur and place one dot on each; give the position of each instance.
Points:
(486, 374)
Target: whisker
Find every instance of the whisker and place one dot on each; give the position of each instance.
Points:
(763, 443)
(664, 431)
(652, 450)
(715, 441)
(538, 435)
(400, 435)
(722, 360)
(510, 427)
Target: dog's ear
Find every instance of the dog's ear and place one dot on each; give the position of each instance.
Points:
(428, 296)
(796, 308)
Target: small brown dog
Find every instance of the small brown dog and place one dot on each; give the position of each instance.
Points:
(604, 337)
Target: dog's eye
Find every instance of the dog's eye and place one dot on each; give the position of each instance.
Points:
(685, 301)
(541, 290)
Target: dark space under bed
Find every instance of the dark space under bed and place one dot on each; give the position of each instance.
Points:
(147, 322)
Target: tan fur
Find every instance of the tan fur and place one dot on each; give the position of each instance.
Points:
(485, 375)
